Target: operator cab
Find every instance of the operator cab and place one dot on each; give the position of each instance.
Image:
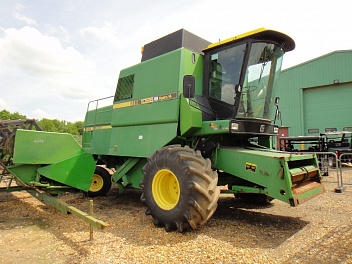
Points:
(239, 77)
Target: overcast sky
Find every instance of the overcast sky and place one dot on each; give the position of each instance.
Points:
(56, 56)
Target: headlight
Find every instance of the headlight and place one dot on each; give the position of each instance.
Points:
(276, 130)
(234, 126)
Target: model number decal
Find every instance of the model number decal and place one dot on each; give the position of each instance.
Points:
(251, 167)
(148, 100)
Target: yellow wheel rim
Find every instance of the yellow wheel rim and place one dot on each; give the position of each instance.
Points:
(166, 189)
(96, 184)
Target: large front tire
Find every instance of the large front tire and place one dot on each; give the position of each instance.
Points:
(101, 182)
(179, 188)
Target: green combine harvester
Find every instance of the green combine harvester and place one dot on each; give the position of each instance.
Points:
(192, 116)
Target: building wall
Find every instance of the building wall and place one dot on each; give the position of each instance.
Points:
(317, 94)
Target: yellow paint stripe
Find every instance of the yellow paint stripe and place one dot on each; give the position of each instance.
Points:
(105, 127)
(88, 129)
(236, 37)
(122, 105)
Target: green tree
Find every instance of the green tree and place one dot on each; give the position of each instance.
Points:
(17, 115)
(80, 127)
(6, 115)
(71, 128)
(46, 124)
(49, 125)
(59, 126)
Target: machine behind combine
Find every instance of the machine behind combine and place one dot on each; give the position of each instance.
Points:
(190, 117)
(8, 130)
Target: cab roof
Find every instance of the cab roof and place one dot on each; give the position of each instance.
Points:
(260, 33)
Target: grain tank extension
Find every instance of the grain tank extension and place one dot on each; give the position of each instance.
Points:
(192, 116)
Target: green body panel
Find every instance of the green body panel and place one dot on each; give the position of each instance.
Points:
(190, 118)
(103, 134)
(55, 156)
(135, 175)
(268, 170)
(154, 108)
(146, 114)
(87, 141)
(25, 173)
(73, 171)
(39, 147)
(214, 127)
(124, 169)
(140, 141)
(193, 68)
(99, 116)
(130, 173)
(154, 77)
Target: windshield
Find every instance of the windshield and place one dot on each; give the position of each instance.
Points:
(253, 90)
(264, 62)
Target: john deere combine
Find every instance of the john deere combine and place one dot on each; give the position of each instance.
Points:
(190, 117)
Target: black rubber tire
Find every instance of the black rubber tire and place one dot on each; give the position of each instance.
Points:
(101, 182)
(198, 190)
(255, 198)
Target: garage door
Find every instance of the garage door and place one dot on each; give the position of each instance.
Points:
(327, 107)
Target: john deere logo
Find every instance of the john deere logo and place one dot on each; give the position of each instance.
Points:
(251, 167)
(262, 128)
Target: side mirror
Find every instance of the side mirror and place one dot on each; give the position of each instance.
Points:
(189, 84)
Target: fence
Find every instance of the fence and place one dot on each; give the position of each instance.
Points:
(343, 167)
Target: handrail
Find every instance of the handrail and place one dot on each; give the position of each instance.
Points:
(96, 107)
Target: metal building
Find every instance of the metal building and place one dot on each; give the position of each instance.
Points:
(316, 96)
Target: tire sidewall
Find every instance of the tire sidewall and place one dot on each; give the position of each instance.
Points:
(106, 177)
(172, 163)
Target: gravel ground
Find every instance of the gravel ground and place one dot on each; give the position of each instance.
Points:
(318, 231)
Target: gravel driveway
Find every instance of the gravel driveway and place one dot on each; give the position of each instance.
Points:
(318, 231)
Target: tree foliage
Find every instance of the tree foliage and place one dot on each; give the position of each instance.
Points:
(50, 125)
(6, 115)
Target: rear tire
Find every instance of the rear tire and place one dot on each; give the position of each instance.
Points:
(179, 188)
(101, 183)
